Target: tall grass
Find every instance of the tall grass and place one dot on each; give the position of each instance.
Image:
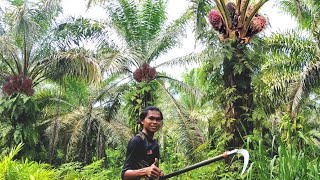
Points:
(286, 162)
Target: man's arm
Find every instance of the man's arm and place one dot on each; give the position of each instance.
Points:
(131, 168)
(152, 171)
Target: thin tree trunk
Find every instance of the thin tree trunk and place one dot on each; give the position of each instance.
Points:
(100, 145)
(147, 99)
(87, 143)
(239, 102)
(56, 128)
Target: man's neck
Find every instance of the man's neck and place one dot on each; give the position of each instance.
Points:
(150, 134)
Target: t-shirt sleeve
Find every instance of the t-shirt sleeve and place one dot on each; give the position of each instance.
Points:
(158, 152)
(133, 155)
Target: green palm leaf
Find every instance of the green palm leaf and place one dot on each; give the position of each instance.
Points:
(78, 63)
(166, 39)
(309, 79)
(294, 68)
(300, 10)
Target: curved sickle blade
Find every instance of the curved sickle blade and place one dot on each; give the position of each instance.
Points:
(245, 155)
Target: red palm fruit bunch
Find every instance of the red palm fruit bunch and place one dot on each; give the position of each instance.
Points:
(144, 73)
(257, 24)
(236, 28)
(215, 20)
(17, 84)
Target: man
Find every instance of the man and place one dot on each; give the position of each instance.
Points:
(143, 151)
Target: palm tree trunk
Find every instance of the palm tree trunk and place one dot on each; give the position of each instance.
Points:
(239, 102)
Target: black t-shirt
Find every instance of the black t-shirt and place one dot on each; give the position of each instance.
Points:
(140, 154)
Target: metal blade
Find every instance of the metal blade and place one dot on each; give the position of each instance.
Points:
(245, 155)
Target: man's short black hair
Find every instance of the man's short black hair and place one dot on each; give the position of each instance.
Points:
(145, 111)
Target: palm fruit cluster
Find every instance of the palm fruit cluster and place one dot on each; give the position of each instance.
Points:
(144, 73)
(17, 84)
(216, 21)
(257, 24)
(237, 27)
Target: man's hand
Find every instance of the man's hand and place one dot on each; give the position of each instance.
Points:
(153, 171)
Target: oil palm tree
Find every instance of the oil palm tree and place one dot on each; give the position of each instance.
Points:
(292, 70)
(143, 35)
(82, 122)
(191, 120)
(301, 49)
(16, 54)
(236, 23)
(30, 53)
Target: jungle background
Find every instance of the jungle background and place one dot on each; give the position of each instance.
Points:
(73, 87)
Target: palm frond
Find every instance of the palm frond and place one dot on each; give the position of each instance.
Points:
(151, 18)
(300, 10)
(194, 91)
(110, 99)
(112, 89)
(183, 124)
(197, 57)
(166, 39)
(125, 18)
(28, 24)
(78, 63)
(309, 78)
(52, 6)
(83, 124)
(314, 136)
(112, 106)
(8, 55)
(293, 44)
(74, 126)
(200, 9)
(292, 70)
(122, 61)
(2, 28)
(289, 55)
(46, 98)
(117, 132)
(188, 127)
(74, 31)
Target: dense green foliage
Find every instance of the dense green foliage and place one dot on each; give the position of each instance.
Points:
(67, 112)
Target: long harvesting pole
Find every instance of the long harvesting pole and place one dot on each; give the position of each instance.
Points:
(244, 153)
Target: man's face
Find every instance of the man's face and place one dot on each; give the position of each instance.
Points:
(152, 122)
